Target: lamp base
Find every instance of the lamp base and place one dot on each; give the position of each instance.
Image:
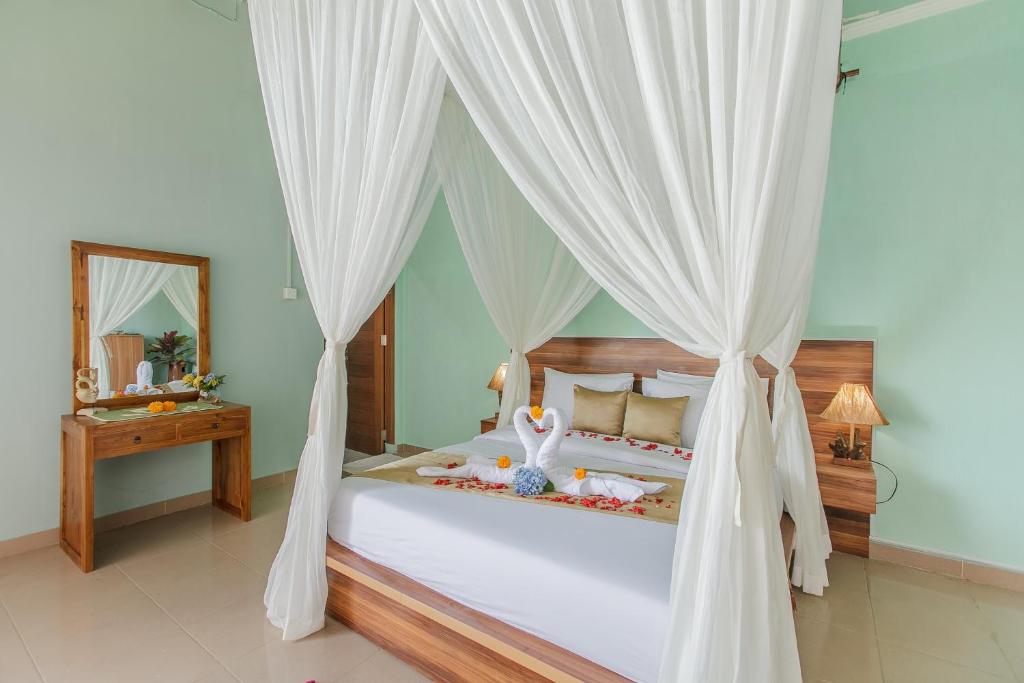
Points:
(849, 450)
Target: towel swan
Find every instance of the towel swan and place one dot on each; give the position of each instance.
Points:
(543, 453)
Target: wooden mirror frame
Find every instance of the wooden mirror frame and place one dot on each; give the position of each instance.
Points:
(80, 253)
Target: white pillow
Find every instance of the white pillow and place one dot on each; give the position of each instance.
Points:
(558, 387)
(697, 387)
(682, 377)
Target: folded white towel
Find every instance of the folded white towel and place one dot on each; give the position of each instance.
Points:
(488, 472)
(605, 484)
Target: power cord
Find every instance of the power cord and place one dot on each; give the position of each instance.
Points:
(896, 482)
(217, 12)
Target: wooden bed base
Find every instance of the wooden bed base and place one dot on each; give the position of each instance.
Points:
(446, 640)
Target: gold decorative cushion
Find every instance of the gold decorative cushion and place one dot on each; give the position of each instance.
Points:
(654, 419)
(598, 411)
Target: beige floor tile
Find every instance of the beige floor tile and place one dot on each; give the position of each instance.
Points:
(255, 544)
(217, 674)
(206, 521)
(1003, 611)
(902, 665)
(271, 500)
(15, 661)
(43, 569)
(152, 538)
(198, 582)
(236, 629)
(835, 654)
(66, 608)
(845, 601)
(144, 644)
(934, 615)
(324, 656)
(383, 667)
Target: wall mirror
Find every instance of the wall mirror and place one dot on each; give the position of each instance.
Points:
(140, 320)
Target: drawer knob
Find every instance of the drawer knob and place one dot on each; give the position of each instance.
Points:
(216, 425)
(136, 439)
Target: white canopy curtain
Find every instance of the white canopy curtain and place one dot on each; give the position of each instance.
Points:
(118, 288)
(352, 91)
(669, 146)
(182, 290)
(794, 459)
(530, 283)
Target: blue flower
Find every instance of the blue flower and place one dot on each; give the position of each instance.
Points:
(529, 481)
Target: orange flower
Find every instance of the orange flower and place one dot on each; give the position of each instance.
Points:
(169, 406)
(536, 412)
(156, 407)
(580, 474)
(504, 462)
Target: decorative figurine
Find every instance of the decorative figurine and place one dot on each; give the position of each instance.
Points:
(85, 385)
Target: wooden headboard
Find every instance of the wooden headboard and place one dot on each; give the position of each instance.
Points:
(848, 493)
(820, 367)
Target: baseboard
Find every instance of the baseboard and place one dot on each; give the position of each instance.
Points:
(948, 565)
(116, 520)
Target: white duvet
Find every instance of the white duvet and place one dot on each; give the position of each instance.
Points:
(593, 583)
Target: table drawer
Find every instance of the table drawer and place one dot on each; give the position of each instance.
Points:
(212, 427)
(127, 440)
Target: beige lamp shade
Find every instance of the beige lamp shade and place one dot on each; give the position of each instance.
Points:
(497, 382)
(853, 404)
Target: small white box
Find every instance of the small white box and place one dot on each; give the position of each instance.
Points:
(289, 294)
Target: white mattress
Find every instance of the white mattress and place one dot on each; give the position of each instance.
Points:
(593, 583)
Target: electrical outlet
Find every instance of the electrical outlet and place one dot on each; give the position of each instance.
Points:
(289, 294)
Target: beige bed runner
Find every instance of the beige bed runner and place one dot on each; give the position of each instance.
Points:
(662, 507)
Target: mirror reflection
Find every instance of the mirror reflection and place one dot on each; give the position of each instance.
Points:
(143, 321)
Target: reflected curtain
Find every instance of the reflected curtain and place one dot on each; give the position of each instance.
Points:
(182, 290)
(530, 283)
(118, 288)
(670, 146)
(352, 91)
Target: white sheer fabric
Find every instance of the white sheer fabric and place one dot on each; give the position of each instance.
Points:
(117, 289)
(352, 91)
(670, 146)
(530, 283)
(182, 290)
(794, 459)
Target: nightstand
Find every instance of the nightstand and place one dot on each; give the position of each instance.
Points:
(848, 494)
(489, 424)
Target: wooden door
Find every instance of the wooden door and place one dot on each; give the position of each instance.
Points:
(369, 359)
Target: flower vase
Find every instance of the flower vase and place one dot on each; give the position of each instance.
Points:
(208, 396)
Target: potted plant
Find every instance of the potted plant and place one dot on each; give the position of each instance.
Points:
(173, 350)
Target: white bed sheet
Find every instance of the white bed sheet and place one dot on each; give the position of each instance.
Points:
(593, 583)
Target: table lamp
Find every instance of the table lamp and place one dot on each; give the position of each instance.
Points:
(497, 382)
(854, 405)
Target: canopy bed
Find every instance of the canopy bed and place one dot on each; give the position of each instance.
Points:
(677, 150)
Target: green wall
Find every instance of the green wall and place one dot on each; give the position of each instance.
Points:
(138, 123)
(920, 250)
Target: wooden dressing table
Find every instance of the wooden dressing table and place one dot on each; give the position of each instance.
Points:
(127, 279)
(84, 440)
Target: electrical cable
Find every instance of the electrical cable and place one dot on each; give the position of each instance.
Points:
(896, 482)
(218, 13)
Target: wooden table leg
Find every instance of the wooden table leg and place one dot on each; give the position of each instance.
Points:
(76, 499)
(232, 476)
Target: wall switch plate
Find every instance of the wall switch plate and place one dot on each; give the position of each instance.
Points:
(289, 294)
